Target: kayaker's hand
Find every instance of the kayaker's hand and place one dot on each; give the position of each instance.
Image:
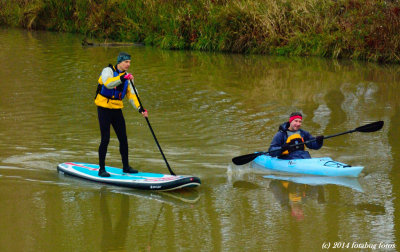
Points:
(285, 147)
(320, 139)
(292, 148)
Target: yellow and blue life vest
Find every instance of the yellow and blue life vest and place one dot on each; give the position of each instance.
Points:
(116, 93)
(292, 140)
(112, 98)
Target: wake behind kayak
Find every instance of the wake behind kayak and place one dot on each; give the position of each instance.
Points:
(141, 180)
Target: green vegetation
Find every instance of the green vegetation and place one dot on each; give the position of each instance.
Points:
(356, 29)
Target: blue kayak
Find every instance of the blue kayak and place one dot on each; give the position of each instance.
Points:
(314, 166)
(141, 180)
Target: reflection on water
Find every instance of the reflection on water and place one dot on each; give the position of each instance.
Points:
(114, 236)
(320, 180)
(205, 108)
(293, 196)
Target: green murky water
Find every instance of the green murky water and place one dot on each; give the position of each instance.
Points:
(205, 108)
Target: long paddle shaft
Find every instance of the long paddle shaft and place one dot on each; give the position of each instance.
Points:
(371, 127)
(152, 132)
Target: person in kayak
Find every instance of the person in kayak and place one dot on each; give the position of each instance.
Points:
(289, 134)
(114, 84)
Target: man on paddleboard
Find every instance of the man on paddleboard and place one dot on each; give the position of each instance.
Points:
(290, 134)
(114, 84)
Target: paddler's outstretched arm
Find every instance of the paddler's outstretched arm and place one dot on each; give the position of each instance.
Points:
(133, 100)
(315, 145)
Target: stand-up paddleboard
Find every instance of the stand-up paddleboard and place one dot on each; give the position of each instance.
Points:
(141, 180)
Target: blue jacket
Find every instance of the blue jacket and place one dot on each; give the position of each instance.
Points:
(280, 139)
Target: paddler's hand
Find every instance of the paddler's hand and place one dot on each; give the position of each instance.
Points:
(285, 147)
(143, 112)
(320, 139)
(289, 147)
(128, 76)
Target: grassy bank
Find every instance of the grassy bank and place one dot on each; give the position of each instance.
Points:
(356, 29)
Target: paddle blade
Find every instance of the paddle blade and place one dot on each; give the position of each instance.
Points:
(372, 127)
(241, 160)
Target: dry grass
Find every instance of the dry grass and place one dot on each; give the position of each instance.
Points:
(357, 29)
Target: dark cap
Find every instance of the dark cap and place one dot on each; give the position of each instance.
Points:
(122, 56)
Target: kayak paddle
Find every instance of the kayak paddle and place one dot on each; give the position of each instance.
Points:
(152, 132)
(371, 127)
